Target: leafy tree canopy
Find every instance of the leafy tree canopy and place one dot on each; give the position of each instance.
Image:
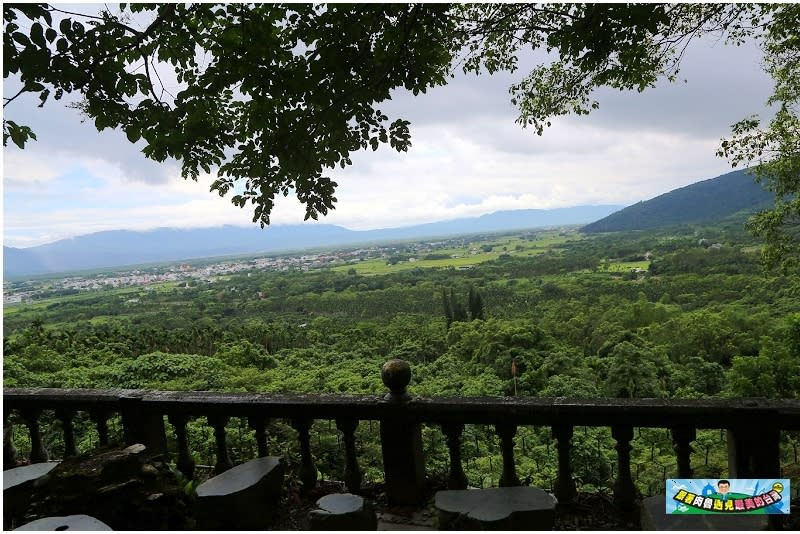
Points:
(775, 149)
(271, 96)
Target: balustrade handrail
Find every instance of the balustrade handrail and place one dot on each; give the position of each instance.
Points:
(643, 412)
(753, 426)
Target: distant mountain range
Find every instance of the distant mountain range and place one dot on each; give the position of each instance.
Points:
(706, 201)
(124, 247)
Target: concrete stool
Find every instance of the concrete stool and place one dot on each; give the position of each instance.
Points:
(70, 522)
(343, 511)
(241, 498)
(18, 488)
(514, 508)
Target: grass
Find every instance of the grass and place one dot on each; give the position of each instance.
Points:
(132, 291)
(625, 266)
(513, 246)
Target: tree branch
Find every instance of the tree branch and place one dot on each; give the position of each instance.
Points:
(9, 100)
(54, 9)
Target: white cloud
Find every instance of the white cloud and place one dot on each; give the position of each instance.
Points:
(22, 169)
(468, 158)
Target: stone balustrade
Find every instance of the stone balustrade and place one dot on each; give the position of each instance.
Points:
(753, 427)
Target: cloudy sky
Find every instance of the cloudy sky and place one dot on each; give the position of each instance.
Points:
(468, 158)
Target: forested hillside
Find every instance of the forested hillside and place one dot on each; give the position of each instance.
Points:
(706, 201)
(650, 314)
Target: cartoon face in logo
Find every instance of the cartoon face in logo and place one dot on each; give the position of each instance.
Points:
(778, 487)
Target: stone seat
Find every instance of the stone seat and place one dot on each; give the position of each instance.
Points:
(514, 508)
(70, 522)
(343, 511)
(18, 485)
(241, 498)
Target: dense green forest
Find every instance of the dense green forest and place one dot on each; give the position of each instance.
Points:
(685, 312)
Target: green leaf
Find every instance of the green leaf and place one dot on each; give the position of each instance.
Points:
(19, 134)
(133, 134)
(21, 38)
(37, 34)
(43, 97)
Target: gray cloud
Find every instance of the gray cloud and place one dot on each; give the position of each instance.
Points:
(468, 155)
(62, 131)
(724, 83)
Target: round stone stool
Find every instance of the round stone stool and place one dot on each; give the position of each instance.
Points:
(343, 511)
(70, 522)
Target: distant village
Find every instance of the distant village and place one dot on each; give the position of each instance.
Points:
(20, 292)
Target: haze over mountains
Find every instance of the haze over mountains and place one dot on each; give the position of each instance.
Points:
(124, 247)
(705, 201)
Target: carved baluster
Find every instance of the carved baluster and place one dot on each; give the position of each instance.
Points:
(38, 452)
(223, 460)
(506, 433)
(682, 436)
(624, 489)
(259, 424)
(352, 473)
(100, 418)
(401, 439)
(9, 452)
(185, 461)
(457, 478)
(565, 485)
(308, 471)
(66, 416)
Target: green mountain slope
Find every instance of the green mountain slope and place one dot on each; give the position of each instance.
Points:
(706, 201)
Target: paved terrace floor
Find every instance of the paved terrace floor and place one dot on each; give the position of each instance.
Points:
(590, 511)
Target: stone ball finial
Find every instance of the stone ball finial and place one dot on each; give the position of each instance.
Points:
(396, 375)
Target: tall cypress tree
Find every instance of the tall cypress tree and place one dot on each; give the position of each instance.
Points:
(448, 309)
(475, 304)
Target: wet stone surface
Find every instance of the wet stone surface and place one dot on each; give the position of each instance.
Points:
(70, 522)
(125, 488)
(18, 486)
(27, 473)
(245, 497)
(513, 508)
(590, 511)
(343, 511)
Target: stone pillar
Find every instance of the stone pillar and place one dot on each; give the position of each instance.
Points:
(185, 462)
(565, 489)
(624, 488)
(141, 427)
(682, 437)
(38, 452)
(457, 479)
(9, 452)
(754, 451)
(308, 471)
(401, 441)
(506, 432)
(352, 473)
